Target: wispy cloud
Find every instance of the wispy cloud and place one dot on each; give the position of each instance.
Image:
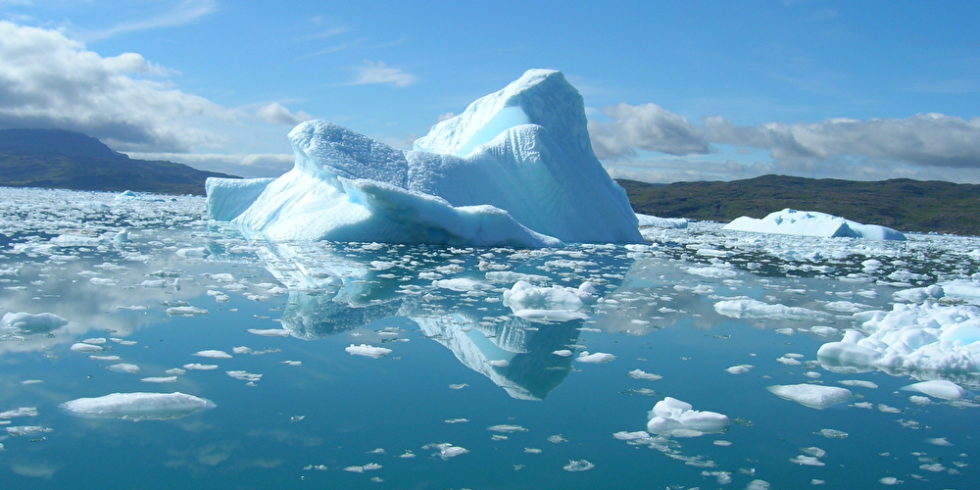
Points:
(378, 73)
(276, 113)
(186, 12)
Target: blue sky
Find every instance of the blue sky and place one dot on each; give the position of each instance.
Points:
(674, 91)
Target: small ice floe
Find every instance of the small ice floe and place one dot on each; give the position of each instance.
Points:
(193, 252)
(938, 388)
(458, 386)
(646, 220)
(194, 366)
(456, 421)
(269, 332)
(746, 308)
(890, 480)
(739, 369)
(249, 378)
(315, 467)
(363, 468)
(557, 439)
(499, 363)
(860, 383)
(919, 295)
(27, 430)
(83, 347)
(928, 338)
(548, 304)
(811, 395)
(920, 400)
(19, 412)
(28, 323)
(562, 353)
(213, 354)
(186, 311)
(596, 358)
(124, 367)
(672, 417)
(575, 465)
(367, 351)
(159, 379)
(804, 460)
(445, 450)
(641, 374)
(138, 406)
(292, 363)
(461, 284)
(832, 433)
(112, 358)
(506, 428)
(938, 441)
(720, 271)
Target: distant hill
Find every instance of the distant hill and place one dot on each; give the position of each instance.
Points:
(69, 160)
(903, 204)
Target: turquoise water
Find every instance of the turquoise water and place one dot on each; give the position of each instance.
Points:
(329, 419)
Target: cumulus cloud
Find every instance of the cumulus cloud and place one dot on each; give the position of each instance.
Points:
(50, 81)
(378, 73)
(909, 146)
(276, 113)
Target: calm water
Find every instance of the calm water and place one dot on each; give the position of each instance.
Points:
(464, 370)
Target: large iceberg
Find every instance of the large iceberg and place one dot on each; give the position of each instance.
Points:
(812, 223)
(515, 168)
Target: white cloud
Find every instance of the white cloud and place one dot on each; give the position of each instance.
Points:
(186, 12)
(916, 146)
(378, 73)
(276, 113)
(50, 81)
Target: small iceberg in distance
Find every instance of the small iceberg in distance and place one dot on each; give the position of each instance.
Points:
(516, 168)
(812, 223)
(138, 406)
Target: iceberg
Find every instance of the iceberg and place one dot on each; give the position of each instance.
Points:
(812, 223)
(672, 417)
(516, 168)
(138, 406)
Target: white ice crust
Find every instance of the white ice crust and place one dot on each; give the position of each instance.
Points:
(515, 168)
(812, 223)
(810, 395)
(928, 338)
(672, 417)
(138, 406)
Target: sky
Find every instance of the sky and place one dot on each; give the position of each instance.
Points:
(674, 91)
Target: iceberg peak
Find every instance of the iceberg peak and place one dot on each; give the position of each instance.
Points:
(540, 97)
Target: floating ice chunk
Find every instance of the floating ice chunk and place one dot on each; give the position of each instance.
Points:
(596, 358)
(631, 436)
(927, 337)
(186, 311)
(251, 378)
(713, 272)
(755, 309)
(890, 480)
(919, 295)
(656, 222)
(200, 367)
(963, 289)
(739, 369)
(83, 347)
(832, 433)
(367, 351)
(32, 323)
(461, 284)
(938, 388)
(562, 353)
(105, 358)
(159, 379)
(269, 332)
(859, 383)
(19, 412)
(575, 465)
(807, 460)
(500, 363)
(363, 468)
(938, 441)
(213, 354)
(672, 417)
(124, 367)
(547, 304)
(641, 374)
(193, 252)
(138, 406)
(506, 428)
(920, 400)
(812, 223)
(27, 430)
(810, 395)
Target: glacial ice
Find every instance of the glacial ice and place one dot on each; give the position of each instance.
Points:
(511, 169)
(547, 304)
(812, 223)
(672, 417)
(138, 406)
(810, 395)
(658, 222)
(938, 388)
(923, 338)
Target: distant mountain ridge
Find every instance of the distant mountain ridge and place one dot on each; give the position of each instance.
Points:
(903, 204)
(69, 160)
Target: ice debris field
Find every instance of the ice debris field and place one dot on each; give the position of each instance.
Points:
(496, 344)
